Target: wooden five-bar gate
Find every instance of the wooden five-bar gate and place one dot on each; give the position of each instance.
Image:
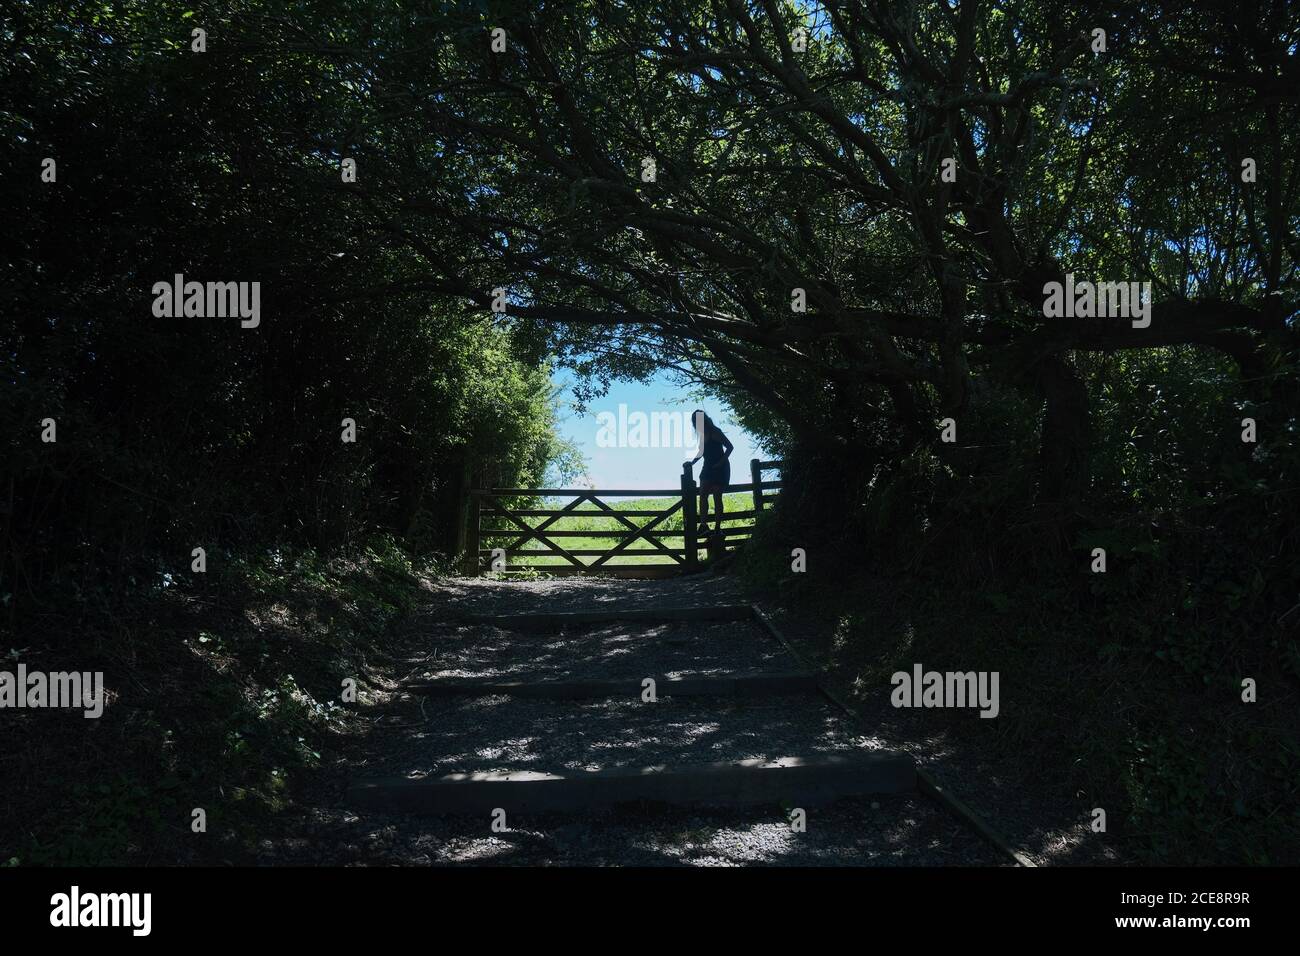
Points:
(500, 537)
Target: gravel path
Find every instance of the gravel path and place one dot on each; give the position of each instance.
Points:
(600, 651)
(465, 735)
(456, 596)
(881, 831)
(415, 736)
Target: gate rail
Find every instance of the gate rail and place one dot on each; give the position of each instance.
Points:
(512, 527)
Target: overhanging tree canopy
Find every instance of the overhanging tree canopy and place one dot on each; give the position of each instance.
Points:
(802, 147)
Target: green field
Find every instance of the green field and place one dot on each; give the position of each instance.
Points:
(591, 519)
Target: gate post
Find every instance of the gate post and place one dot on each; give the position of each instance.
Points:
(463, 485)
(472, 535)
(689, 528)
(757, 473)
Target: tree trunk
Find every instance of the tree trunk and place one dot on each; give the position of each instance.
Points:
(1065, 442)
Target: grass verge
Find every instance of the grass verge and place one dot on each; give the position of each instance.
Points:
(220, 687)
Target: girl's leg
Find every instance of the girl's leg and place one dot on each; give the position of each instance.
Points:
(704, 509)
(717, 507)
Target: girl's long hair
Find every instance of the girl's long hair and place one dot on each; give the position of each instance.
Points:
(708, 431)
(709, 428)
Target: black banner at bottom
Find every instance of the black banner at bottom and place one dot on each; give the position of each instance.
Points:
(510, 905)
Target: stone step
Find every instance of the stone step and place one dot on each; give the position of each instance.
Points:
(553, 620)
(792, 781)
(722, 685)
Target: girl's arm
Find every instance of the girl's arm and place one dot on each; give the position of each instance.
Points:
(726, 445)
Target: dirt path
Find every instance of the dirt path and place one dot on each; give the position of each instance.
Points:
(411, 736)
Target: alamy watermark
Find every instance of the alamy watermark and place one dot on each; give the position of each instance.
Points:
(639, 430)
(63, 689)
(209, 300)
(1098, 300)
(75, 908)
(951, 689)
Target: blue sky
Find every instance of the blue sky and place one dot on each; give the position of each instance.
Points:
(659, 468)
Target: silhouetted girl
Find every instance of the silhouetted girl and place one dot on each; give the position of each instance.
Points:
(715, 476)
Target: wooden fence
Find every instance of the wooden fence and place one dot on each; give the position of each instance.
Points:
(500, 533)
